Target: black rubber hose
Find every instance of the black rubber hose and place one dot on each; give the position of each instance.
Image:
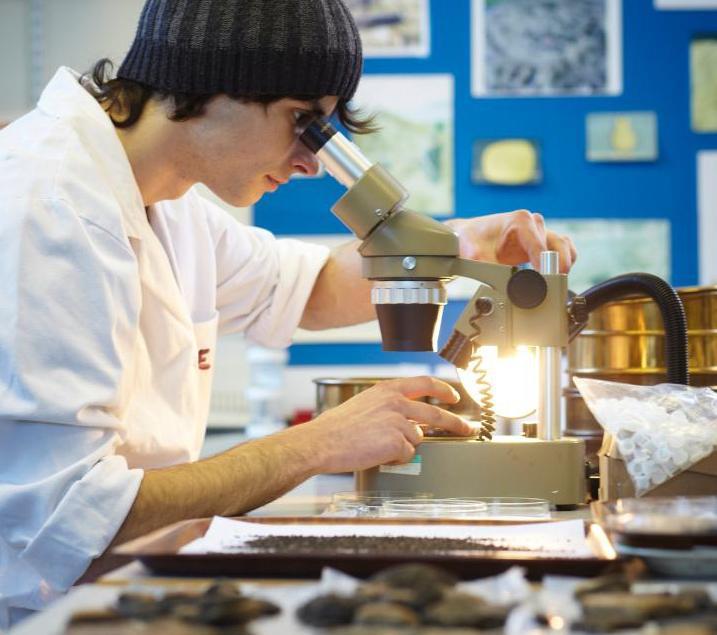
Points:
(671, 308)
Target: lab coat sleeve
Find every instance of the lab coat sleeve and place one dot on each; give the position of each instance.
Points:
(68, 320)
(263, 283)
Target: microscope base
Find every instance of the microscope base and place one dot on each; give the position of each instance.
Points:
(506, 466)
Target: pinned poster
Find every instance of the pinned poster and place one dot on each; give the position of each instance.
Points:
(621, 136)
(506, 162)
(707, 214)
(703, 83)
(633, 245)
(393, 28)
(546, 47)
(415, 140)
(686, 4)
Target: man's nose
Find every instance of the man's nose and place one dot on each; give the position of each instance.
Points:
(303, 160)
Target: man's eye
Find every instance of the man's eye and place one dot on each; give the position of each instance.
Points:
(302, 120)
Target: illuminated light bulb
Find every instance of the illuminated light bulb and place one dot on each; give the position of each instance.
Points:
(556, 622)
(513, 381)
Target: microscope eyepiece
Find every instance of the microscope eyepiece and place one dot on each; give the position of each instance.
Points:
(341, 157)
(317, 134)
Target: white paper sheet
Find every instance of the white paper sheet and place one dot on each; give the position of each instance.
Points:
(562, 539)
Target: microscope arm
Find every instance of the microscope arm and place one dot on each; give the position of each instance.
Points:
(527, 308)
(519, 307)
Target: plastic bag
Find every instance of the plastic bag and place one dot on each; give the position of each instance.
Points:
(660, 430)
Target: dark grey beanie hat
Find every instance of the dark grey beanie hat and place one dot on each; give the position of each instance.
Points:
(246, 47)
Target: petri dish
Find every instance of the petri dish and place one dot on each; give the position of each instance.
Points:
(366, 504)
(433, 508)
(679, 515)
(516, 508)
(492, 508)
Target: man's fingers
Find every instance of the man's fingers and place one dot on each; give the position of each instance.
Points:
(537, 238)
(529, 230)
(413, 432)
(566, 258)
(565, 247)
(436, 418)
(573, 249)
(405, 455)
(409, 451)
(414, 387)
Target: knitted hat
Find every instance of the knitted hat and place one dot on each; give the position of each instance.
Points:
(246, 47)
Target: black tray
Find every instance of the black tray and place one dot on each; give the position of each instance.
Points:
(159, 551)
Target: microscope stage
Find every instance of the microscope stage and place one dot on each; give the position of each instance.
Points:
(507, 466)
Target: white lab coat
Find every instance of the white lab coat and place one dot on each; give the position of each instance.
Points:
(108, 327)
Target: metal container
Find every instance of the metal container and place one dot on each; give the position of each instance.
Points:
(331, 392)
(625, 341)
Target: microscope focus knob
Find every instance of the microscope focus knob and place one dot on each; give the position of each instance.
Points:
(527, 289)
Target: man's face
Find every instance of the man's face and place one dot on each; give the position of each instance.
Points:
(243, 150)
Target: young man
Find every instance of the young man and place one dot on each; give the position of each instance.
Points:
(116, 278)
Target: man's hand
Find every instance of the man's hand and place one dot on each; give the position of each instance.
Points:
(377, 426)
(511, 238)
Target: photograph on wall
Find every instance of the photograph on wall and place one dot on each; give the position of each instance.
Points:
(632, 245)
(707, 214)
(506, 162)
(393, 28)
(703, 83)
(546, 47)
(686, 4)
(621, 136)
(415, 140)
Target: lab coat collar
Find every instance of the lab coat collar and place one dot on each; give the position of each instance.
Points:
(65, 97)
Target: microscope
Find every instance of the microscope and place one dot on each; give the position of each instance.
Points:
(409, 258)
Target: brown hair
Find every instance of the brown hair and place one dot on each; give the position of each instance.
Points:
(131, 97)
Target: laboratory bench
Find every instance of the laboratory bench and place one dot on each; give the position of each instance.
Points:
(308, 499)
